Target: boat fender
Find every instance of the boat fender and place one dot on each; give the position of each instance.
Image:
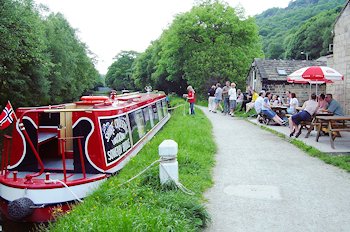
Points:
(20, 208)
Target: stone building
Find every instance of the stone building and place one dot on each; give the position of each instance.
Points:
(340, 59)
(271, 75)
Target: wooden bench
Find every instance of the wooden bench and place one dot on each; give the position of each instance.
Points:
(334, 124)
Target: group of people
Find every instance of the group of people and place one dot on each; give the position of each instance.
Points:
(227, 94)
(322, 103)
(231, 98)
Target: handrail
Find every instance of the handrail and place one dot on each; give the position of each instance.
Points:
(23, 129)
(4, 157)
(62, 143)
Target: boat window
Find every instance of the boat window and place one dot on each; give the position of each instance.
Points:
(159, 109)
(155, 114)
(147, 118)
(137, 125)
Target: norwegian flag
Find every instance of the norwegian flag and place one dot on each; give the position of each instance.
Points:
(6, 117)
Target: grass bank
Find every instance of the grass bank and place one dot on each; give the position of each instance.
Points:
(342, 160)
(143, 204)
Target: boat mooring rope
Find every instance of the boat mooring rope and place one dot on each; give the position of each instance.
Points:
(175, 107)
(177, 183)
(64, 184)
(140, 173)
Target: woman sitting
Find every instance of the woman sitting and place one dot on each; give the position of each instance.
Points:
(293, 104)
(322, 103)
(309, 108)
(266, 110)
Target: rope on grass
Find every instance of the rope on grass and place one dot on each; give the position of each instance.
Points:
(175, 107)
(177, 183)
(140, 173)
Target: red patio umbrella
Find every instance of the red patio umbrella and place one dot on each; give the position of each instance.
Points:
(315, 75)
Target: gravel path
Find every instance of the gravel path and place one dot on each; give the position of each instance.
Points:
(263, 183)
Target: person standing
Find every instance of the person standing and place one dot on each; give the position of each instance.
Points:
(191, 98)
(211, 98)
(233, 98)
(218, 97)
(226, 98)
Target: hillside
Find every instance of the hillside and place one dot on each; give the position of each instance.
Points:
(279, 27)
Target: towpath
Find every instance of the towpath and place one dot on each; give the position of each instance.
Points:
(263, 183)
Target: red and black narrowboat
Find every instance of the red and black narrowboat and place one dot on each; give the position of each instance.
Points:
(59, 154)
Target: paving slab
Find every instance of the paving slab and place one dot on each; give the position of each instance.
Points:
(264, 183)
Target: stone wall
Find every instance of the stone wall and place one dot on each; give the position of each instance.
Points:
(341, 60)
(302, 91)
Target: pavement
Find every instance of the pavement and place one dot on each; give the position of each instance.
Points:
(264, 183)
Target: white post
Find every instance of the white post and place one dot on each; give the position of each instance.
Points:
(168, 166)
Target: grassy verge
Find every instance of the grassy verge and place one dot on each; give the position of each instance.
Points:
(143, 204)
(342, 160)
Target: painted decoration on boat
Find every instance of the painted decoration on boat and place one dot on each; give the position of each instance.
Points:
(115, 136)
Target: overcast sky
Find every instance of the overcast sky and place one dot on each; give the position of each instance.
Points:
(110, 26)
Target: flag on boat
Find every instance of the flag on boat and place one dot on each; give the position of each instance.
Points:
(6, 117)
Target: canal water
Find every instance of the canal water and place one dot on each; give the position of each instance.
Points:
(11, 226)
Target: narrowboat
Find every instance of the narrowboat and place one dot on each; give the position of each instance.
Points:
(59, 154)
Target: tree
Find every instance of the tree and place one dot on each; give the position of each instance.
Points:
(23, 61)
(208, 44)
(119, 75)
(72, 71)
(314, 36)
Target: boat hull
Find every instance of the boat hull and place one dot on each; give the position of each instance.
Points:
(104, 138)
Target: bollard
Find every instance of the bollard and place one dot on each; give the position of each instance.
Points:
(168, 166)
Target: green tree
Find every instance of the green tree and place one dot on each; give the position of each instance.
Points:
(208, 44)
(314, 36)
(72, 70)
(23, 62)
(277, 27)
(119, 75)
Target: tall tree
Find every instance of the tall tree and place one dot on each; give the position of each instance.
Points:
(72, 71)
(208, 44)
(23, 61)
(119, 75)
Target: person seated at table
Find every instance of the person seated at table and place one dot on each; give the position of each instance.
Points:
(293, 104)
(309, 108)
(250, 105)
(258, 104)
(322, 103)
(266, 110)
(274, 100)
(333, 106)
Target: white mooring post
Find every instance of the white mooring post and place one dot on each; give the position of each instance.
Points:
(168, 166)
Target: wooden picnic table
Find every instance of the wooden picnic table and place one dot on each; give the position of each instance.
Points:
(280, 110)
(309, 125)
(335, 124)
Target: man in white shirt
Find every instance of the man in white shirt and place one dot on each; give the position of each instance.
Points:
(259, 101)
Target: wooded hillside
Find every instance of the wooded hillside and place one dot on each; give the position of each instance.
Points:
(305, 25)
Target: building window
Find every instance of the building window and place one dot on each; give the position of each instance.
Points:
(281, 72)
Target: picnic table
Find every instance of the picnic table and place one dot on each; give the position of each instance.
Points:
(281, 111)
(310, 125)
(335, 124)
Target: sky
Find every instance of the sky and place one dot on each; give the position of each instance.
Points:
(108, 27)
